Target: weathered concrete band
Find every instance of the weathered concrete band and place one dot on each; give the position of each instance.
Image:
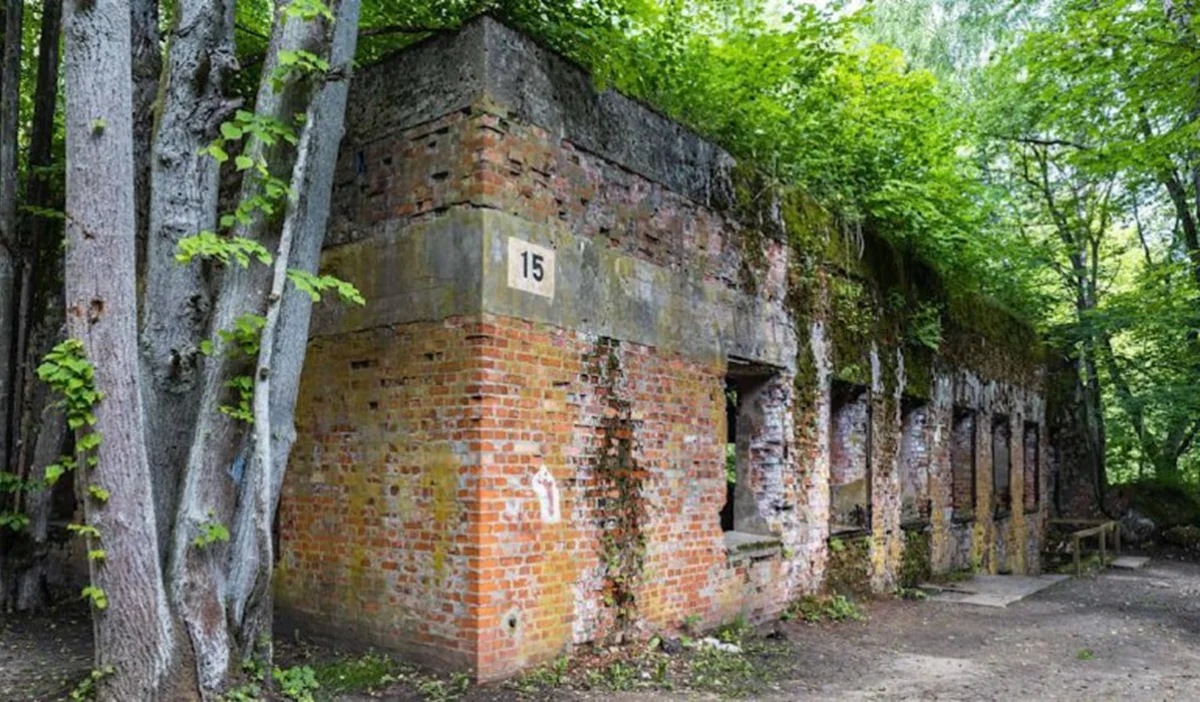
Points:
(457, 265)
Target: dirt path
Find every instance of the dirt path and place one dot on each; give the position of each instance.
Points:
(41, 658)
(1122, 635)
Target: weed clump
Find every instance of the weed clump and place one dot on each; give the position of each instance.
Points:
(814, 610)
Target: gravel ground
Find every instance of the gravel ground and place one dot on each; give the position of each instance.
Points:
(1124, 635)
(41, 658)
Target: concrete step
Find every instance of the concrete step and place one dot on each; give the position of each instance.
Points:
(1130, 562)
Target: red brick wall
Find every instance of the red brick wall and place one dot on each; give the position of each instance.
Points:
(480, 159)
(848, 457)
(382, 484)
(915, 446)
(411, 516)
(550, 399)
(962, 461)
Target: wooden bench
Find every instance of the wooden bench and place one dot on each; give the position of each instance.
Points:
(1102, 528)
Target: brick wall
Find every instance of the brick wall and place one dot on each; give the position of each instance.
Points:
(962, 458)
(487, 477)
(378, 501)
(915, 447)
(848, 465)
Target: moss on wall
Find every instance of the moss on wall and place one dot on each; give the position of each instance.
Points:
(915, 565)
(848, 570)
(617, 493)
(876, 292)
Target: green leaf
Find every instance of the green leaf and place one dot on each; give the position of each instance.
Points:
(84, 530)
(96, 596)
(54, 471)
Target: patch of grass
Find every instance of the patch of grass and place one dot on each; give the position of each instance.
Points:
(374, 671)
(1085, 654)
(248, 692)
(545, 677)
(297, 683)
(733, 632)
(86, 689)
(360, 673)
(1088, 564)
(911, 593)
(735, 675)
(813, 609)
(438, 690)
(690, 665)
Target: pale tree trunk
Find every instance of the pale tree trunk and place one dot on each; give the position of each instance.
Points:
(285, 335)
(182, 204)
(134, 633)
(10, 91)
(214, 478)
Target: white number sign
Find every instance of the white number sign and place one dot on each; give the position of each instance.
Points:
(530, 267)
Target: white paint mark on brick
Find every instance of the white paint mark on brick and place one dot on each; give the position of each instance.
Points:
(548, 498)
(527, 447)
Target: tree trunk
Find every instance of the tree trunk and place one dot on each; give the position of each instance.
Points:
(285, 334)
(133, 633)
(10, 92)
(213, 481)
(36, 246)
(35, 444)
(1094, 418)
(182, 204)
(146, 56)
(33, 586)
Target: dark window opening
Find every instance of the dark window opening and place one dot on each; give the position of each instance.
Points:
(731, 413)
(1033, 469)
(850, 459)
(962, 464)
(1001, 465)
(914, 463)
(754, 447)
